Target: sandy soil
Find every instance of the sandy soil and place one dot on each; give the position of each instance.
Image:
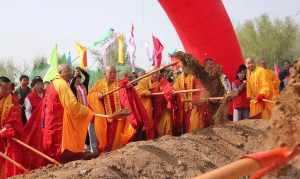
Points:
(171, 157)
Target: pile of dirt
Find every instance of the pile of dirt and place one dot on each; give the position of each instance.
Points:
(285, 128)
(170, 157)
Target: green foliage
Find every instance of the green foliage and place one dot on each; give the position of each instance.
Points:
(273, 40)
(40, 66)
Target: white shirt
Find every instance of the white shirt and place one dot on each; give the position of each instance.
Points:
(28, 108)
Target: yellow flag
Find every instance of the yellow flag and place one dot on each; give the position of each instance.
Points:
(82, 52)
(121, 59)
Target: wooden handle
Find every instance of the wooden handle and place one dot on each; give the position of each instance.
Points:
(14, 162)
(234, 170)
(118, 114)
(211, 98)
(36, 151)
(139, 78)
(269, 101)
(102, 115)
(177, 92)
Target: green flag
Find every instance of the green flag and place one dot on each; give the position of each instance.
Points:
(53, 62)
(104, 37)
(63, 59)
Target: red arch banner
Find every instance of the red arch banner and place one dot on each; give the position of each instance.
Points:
(205, 30)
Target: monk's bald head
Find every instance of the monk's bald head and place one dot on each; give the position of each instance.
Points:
(110, 74)
(263, 63)
(65, 72)
(250, 63)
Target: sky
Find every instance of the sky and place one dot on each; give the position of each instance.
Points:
(31, 28)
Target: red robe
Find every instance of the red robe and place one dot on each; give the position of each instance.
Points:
(35, 100)
(52, 115)
(138, 117)
(10, 117)
(65, 122)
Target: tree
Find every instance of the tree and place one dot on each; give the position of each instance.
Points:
(11, 70)
(273, 40)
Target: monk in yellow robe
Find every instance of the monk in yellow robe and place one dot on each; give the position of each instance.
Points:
(111, 134)
(184, 81)
(193, 116)
(259, 87)
(144, 91)
(200, 111)
(65, 119)
(272, 78)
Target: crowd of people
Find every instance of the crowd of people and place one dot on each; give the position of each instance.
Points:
(68, 121)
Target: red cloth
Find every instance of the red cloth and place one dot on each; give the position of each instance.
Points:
(138, 117)
(205, 30)
(260, 97)
(174, 104)
(13, 150)
(7, 133)
(111, 126)
(35, 99)
(157, 52)
(168, 91)
(241, 101)
(158, 103)
(52, 115)
(33, 137)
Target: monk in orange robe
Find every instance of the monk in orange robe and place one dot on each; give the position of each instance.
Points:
(259, 87)
(10, 126)
(272, 78)
(111, 133)
(65, 119)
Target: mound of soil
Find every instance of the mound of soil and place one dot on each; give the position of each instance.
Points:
(285, 128)
(171, 157)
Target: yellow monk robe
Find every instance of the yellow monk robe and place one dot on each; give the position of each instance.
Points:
(275, 83)
(198, 112)
(144, 91)
(184, 82)
(76, 118)
(66, 122)
(161, 114)
(110, 135)
(165, 123)
(258, 83)
(5, 105)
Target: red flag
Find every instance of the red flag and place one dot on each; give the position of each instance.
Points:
(157, 52)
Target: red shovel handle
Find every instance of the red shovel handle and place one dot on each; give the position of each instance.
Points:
(274, 159)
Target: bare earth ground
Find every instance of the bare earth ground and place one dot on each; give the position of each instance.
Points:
(172, 157)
